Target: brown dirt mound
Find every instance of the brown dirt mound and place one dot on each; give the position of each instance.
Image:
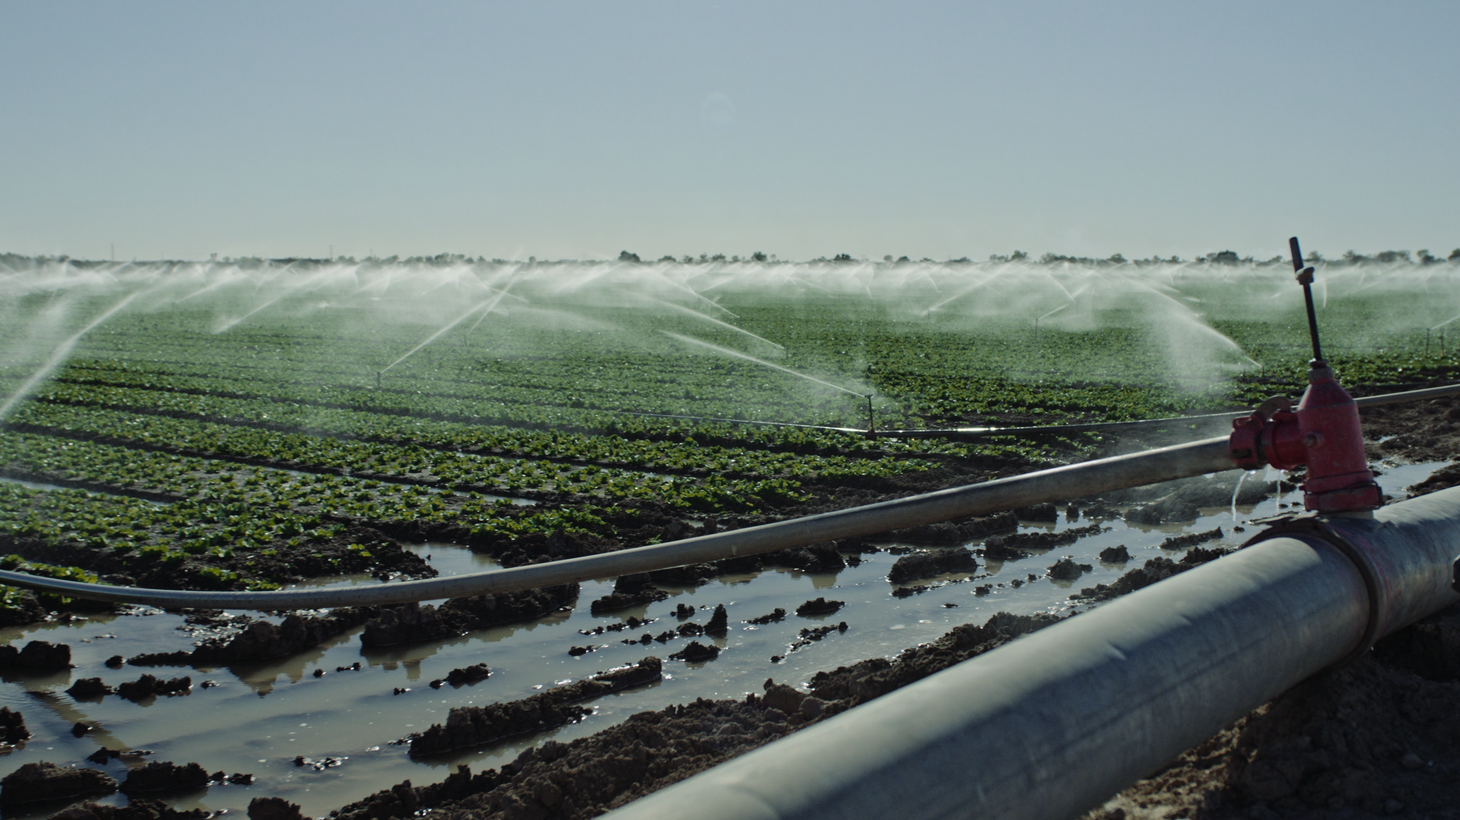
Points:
(476, 725)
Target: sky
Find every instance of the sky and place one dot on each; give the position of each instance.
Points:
(580, 129)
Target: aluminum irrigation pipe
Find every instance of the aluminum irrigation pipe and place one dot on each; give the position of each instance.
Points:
(1098, 426)
(1071, 481)
(1084, 427)
(1058, 721)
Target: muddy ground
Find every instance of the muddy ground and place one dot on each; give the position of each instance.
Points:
(1379, 737)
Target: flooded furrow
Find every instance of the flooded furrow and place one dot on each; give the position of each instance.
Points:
(322, 728)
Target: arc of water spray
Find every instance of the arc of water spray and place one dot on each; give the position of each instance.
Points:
(60, 353)
(493, 306)
(1051, 313)
(1200, 325)
(960, 294)
(692, 292)
(438, 334)
(712, 320)
(304, 286)
(738, 355)
(204, 289)
(1446, 322)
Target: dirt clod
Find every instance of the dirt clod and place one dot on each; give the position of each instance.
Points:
(273, 808)
(35, 782)
(37, 655)
(820, 606)
(164, 777)
(12, 726)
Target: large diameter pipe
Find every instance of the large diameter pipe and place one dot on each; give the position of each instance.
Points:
(1071, 481)
(1058, 721)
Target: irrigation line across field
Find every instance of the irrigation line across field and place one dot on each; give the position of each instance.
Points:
(1069, 481)
(1056, 429)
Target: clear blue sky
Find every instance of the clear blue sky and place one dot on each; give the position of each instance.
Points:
(799, 129)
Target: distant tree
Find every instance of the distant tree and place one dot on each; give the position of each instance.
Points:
(704, 257)
(688, 260)
(1353, 257)
(1314, 257)
(1116, 259)
(735, 259)
(666, 258)
(1390, 257)
(719, 257)
(962, 260)
(1020, 256)
(1425, 257)
(843, 258)
(998, 257)
(887, 258)
(625, 256)
(902, 260)
(757, 257)
(1455, 255)
(1223, 258)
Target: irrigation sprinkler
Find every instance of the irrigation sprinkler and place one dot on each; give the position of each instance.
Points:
(1323, 433)
(871, 423)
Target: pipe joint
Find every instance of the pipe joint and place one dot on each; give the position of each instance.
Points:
(1360, 552)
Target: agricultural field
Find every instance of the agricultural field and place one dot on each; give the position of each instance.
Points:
(257, 426)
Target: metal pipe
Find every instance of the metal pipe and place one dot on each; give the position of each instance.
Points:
(1070, 481)
(973, 433)
(1058, 721)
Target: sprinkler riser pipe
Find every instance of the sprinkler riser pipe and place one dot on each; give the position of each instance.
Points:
(1323, 434)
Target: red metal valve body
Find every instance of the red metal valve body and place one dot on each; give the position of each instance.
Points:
(1324, 434)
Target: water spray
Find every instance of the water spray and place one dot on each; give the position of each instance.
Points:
(59, 355)
(737, 354)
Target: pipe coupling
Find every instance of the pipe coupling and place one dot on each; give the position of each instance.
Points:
(1312, 528)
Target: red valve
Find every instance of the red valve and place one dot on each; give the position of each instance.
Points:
(1323, 434)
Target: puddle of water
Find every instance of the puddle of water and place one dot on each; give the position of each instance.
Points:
(259, 718)
(33, 485)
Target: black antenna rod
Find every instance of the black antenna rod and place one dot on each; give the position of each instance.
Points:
(1305, 278)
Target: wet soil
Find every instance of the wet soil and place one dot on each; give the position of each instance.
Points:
(1377, 737)
(1344, 742)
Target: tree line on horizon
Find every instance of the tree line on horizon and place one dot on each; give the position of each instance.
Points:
(1226, 257)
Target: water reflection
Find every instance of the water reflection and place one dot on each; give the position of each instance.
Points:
(264, 715)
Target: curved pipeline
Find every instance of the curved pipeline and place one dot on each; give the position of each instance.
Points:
(1070, 481)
